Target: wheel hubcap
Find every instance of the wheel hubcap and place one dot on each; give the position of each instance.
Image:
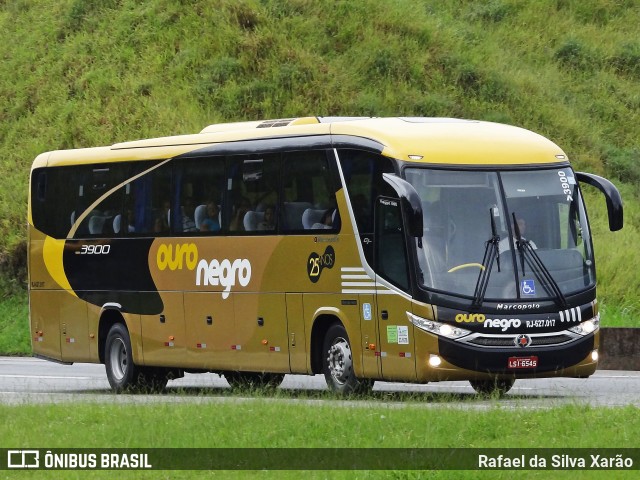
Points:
(339, 360)
(118, 359)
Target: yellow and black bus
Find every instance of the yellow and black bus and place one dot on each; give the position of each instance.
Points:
(395, 249)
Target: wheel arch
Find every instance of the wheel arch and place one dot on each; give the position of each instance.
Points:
(108, 318)
(321, 325)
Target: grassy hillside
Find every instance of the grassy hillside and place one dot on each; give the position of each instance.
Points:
(79, 73)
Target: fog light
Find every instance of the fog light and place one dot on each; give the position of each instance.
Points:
(434, 360)
(594, 355)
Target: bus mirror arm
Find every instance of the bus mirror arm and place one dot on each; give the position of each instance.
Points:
(411, 203)
(612, 196)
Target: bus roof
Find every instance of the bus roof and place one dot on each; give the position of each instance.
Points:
(442, 141)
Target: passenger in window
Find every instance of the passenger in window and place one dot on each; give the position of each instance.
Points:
(211, 222)
(188, 222)
(162, 220)
(326, 221)
(269, 221)
(237, 221)
(129, 220)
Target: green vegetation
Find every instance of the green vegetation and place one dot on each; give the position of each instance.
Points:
(14, 329)
(80, 73)
(274, 423)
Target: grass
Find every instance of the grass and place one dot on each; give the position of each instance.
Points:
(14, 325)
(272, 423)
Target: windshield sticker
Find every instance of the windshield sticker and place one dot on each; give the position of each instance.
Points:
(366, 311)
(403, 335)
(565, 183)
(528, 287)
(317, 263)
(392, 334)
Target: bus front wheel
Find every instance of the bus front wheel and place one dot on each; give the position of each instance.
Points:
(122, 373)
(337, 363)
(498, 386)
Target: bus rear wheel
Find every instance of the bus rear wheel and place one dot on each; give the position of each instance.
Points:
(254, 380)
(122, 373)
(337, 364)
(492, 386)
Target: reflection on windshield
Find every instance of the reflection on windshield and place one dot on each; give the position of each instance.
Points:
(465, 209)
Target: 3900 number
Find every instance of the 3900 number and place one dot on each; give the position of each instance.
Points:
(94, 250)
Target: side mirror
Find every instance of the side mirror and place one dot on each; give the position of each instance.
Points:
(612, 196)
(411, 203)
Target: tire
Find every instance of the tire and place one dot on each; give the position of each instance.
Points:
(493, 386)
(122, 373)
(254, 380)
(337, 364)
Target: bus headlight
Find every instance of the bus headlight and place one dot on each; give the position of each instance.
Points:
(442, 329)
(585, 328)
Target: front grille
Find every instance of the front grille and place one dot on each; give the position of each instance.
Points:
(492, 341)
(550, 340)
(536, 340)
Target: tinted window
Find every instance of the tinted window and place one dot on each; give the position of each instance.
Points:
(363, 176)
(308, 193)
(390, 246)
(146, 200)
(253, 193)
(197, 197)
(62, 195)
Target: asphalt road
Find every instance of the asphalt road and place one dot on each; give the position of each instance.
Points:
(33, 381)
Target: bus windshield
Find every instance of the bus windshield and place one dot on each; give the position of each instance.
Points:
(503, 235)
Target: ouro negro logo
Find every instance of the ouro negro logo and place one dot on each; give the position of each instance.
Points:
(213, 272)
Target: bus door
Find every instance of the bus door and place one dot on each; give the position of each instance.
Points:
(396, 347)
(370, 335)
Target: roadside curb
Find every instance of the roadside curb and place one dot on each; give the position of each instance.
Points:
(619, 349)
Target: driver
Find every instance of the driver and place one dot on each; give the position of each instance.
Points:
(505, 244)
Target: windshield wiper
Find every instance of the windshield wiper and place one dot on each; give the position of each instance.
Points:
(537, 266)
(491, 253)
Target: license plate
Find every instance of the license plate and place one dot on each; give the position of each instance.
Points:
(523, 362)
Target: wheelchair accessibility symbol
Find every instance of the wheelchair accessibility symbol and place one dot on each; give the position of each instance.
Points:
(528, 287)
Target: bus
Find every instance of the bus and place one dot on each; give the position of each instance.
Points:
(394, 249)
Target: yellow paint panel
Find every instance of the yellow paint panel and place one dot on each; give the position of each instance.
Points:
(53, 251)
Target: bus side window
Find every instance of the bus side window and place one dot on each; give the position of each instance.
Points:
(363, 176)
(253, 186)
(308, 193)
(145, 199)
(391, 255)
(90, 187)
(57, 199)
(196, 205)
(101, 221)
